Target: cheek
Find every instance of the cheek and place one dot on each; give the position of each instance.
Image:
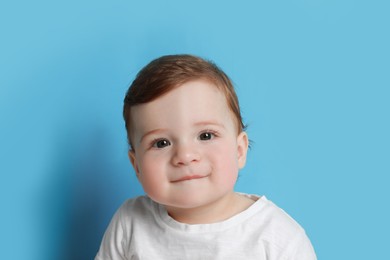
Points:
(225, 164)
(229, 169)
(152, 176)
(227, 154)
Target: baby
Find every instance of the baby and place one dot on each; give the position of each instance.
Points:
(187, 144)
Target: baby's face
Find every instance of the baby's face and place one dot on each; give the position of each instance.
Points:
(187, 151)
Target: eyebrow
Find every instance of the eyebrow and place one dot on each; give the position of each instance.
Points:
(213, 123)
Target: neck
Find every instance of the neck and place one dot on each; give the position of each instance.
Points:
(225, 208)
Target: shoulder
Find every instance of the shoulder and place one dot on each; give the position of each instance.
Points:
(278, 219)
(133, 216)
(140, 202)
(269, 219)
(284, 237)
(136, 208)
(131, 210)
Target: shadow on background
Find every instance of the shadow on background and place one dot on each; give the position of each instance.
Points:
(83, 193)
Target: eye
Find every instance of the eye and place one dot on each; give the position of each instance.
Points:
(206, 136)
(161, 143)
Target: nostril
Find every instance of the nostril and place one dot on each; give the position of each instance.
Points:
(185, 157)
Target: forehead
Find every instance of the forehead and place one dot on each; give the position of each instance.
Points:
(194, 100)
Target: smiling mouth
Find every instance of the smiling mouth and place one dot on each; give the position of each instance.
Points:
(189, 178)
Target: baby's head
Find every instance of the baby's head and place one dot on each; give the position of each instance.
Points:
(169, 72)
(185, 131)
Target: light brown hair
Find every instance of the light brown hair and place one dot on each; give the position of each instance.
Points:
(168, 72)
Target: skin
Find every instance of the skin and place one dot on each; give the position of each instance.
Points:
(187, 153)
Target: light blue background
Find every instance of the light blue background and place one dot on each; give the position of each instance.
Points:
(312, 77)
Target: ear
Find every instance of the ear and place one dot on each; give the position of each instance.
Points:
(133, 161)
(242, 148)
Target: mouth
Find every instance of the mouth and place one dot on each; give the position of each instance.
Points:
(189, 178)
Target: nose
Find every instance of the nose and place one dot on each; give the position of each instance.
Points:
(185, 154)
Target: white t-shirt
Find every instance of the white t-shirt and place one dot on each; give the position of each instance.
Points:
(142, 229)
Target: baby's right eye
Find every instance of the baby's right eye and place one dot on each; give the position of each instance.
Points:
(161, 143)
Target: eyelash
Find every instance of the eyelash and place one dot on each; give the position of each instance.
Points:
(154, 143)
(213, 134)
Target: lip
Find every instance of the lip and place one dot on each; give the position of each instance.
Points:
(189, 178)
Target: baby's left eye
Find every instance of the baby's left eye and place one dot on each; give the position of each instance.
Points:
(206, 136)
